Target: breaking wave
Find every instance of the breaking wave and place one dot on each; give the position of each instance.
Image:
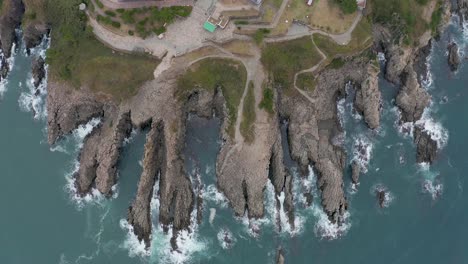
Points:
(11, 62)
(226, 239)
(33, 100)
(187, 241)
(362, 152)
(431, 181)
(388, 198)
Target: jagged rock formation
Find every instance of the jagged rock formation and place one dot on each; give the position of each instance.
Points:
(279, 256)
(380, 197)
(33, 34)
(412, 98)
(453, 56)
(68, 108)
(313, 128)
(12, 11)
(460, 7)
(100, 155)
(426, 147)
(38, 70)
(139, 212)
(368, 98)
(355, 172)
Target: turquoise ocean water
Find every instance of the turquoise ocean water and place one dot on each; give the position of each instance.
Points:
(424, 220)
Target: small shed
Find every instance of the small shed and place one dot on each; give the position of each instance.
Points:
(209, 27)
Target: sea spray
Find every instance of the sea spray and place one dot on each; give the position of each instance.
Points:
(33, 99)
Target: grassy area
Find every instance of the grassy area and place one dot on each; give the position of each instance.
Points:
(284, 59)
(260, 35)
(306, 82)
(209, 74)
(143, 21)
(326, 15)
(77, 57)
(34, 12)
(267, 100)
(404, 17)
(361, 39)
(249, 116)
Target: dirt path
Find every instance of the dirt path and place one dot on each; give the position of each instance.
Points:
(340, 39)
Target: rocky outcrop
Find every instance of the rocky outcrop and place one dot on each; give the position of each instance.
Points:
(368, 98)
(412, 99)
(314, 127)
(279, 256)
(33, 34)
(38, 70)
(380, 193)
(453, 56)
(426, 147)
(355, 172)
(11, 15)
(68, 108)
(100, 155)
(460, 7)
(139, 213)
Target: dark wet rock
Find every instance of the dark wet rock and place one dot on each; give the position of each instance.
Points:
(38, 70)
(68, 108)
(453, 56)
(4, 67)
(309, 198)
(289, 201)
(279, 256)
(460, 7)
(381, 197)
(368, 98)
(33, 34)
(420, 64)
(412, 99)
(355, 171)
(426, 147)
(139, 213)
(12, 11)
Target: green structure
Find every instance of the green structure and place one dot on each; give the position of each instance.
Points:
(209, 27)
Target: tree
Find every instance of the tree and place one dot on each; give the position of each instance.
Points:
(348, 6)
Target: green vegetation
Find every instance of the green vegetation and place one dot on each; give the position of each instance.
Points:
(99, 4)
(404, 17)
(337, 63)
(361, 39)
(284, 59)
(347, 6)
(151, 19)
(76, 57)
(436, 18)
(306, 82)
(267, 100)
(210, 74)
(249, 116)
(108, 21)
(110, 13)
(260, 35)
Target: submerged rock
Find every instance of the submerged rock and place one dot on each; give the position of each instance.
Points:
(38, 70)
(368, 98)
(426, 147)
(381, 197)
(453, 56)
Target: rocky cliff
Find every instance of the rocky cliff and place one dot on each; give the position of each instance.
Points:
(10, 19)
(453, 56)
(368, 98)
(314, 128)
